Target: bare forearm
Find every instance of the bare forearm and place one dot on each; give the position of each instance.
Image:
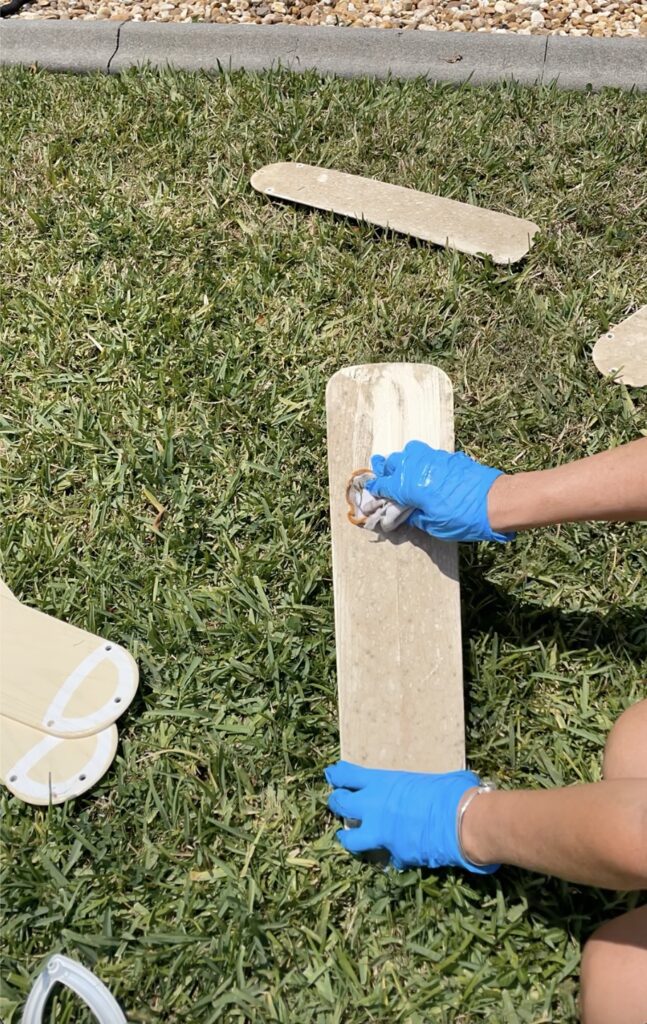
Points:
(592, 834)
(611, 486)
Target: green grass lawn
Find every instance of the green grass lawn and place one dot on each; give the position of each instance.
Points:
(167, 335)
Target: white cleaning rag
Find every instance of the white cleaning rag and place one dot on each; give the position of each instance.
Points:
(369, 511)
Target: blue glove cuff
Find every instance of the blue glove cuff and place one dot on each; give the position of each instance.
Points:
(489, 475)
(478, 869)
(457, 784)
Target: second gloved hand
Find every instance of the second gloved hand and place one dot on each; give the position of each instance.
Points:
(413, 815)
(447, 490)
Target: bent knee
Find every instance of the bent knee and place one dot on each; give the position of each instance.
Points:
(613, 980)
(625, 752)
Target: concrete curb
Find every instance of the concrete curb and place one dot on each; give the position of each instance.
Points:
(58, 46)
(580, 62)
(481, 58)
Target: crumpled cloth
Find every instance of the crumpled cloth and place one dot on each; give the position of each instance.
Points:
(370, 512)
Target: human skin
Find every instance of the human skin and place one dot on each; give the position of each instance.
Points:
(613, 975)
(591, 834)
(586, 840)
(595, 833)
(610, 486)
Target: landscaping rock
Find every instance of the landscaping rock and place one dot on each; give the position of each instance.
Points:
(595, 18)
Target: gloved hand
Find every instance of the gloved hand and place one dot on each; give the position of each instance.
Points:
(447, 490)
(413, 815)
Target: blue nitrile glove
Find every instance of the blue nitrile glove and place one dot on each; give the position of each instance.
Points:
(447, 490)
(412, 815)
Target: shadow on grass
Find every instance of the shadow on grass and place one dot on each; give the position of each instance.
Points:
(556, 904)
(488, 607)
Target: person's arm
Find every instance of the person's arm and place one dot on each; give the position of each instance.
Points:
(590, 834)
(611, 486)
(593, 834)
(455, 498)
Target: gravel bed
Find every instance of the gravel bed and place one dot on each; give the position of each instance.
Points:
(527, 17)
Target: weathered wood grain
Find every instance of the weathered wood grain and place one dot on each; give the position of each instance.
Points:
(447, 222)
(397, 606)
